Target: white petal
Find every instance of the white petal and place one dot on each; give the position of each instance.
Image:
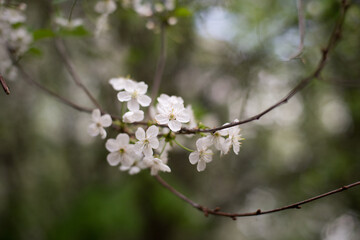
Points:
(117, 83)
(124, 96)
(207, 157)
(194, 157)
(113, 158)
(96, 115)
(134, 170)
(102, 133)
(174, 125)
(140, 133)
(131, 117)
(130, 86)
(165, 168)
(236, 147)
(154, 143)
(93, 130)
(122, 139)
(148, 152)
(144, 100)
(162, 118)
(202, 143)
(183, 116)
(201, 166)
(142, 88)
(133, 105)
(112, 145)
(105, 120)
(152, 131)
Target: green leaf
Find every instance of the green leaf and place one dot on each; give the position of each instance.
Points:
(35, 52)
(43, 33)
(182, 12)
(76, 32)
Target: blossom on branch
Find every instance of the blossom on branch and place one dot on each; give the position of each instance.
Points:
(99, 123)
(147, 140)
(133, 116)
(234, 138)
(134, 95)
(121, 151)
(203, 155)
(171, 111)
(156, 165)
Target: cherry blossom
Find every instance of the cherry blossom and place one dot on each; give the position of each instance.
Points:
(203, 155)
(121, 151)
(105, 6)
(134, 95)
(69, 24)
(171, 111)
(133, 116)
(156, 165)
(147, 140)
(99, 123)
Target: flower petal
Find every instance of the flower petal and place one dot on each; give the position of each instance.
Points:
(140, 133)
(117, 83)
(96, 115)
(201, 166)
(183, 116)
(105, 120)
(124, 96)
(174, 125)
(152, 131)
(194, 157)
(122, 139)
(144, 100)
(141, 88)
(154, 143)
(112, 145)
(148, 152)
(102, 133)
(162, 118)
(93, 130)
(133, 105)
(113, 158)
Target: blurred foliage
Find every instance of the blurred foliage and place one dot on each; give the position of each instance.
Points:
(226, 58)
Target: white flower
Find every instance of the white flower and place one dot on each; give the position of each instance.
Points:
(202, 156)
(234, 139)
(12, 16)
(120, 151)
(147, 141)
(171, 111)
(219, 141)
(20, 40)
(105, 6)
(98, 124)
(135, 168)
(118, 83)
(134, 95)
(156, 165)
(102, 25)
(133, 116)
(143, 9)
(65, 23)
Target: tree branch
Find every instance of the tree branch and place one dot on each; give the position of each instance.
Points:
(60, 47)
(4, 85)
(216, 211)
(334, 37)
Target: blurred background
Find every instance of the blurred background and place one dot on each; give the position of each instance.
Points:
(228, 59)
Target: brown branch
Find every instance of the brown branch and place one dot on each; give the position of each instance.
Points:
(301, 20)
(60, 47)
(4, 85)
(216, 211)
(334, 37)
(32, 81)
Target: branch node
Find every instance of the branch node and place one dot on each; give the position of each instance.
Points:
(234, 218)
(258, 212)
(344, 188)
(217, 209)
(298, 207)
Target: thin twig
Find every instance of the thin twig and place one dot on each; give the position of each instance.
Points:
(335, 36)
(160, 64)
(301, 20)
(216, 211)
(60, 47)
(4, 85)
(71, 10)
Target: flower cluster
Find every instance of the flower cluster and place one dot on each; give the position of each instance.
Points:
(14, 35)
(104, 8)
(138, 148)
(153, 11)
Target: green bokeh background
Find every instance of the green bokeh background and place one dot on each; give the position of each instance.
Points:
(228, 60)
